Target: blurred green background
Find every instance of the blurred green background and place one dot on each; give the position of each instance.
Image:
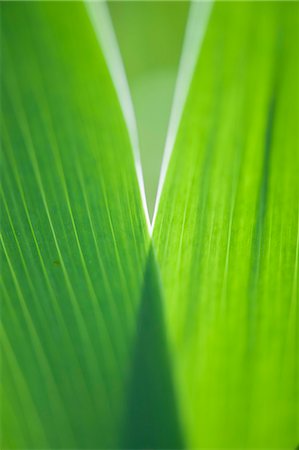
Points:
(150, 36)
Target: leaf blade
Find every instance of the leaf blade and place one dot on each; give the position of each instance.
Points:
(214, 233)
(74, 233)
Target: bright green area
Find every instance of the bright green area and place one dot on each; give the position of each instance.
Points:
(74, 238)
(227, 234)
(150, 37)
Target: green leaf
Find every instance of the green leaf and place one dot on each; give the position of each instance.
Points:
(74, 236)
(227, 233)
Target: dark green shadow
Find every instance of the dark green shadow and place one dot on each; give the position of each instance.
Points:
(151, 421)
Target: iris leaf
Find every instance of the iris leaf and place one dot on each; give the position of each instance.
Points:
(227, 233)
(74, 236)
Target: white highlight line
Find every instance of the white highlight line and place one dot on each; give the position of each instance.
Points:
(101, 20)
(197, 22)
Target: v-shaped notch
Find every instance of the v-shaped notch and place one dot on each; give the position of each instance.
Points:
(150, 37)
(151, 49)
